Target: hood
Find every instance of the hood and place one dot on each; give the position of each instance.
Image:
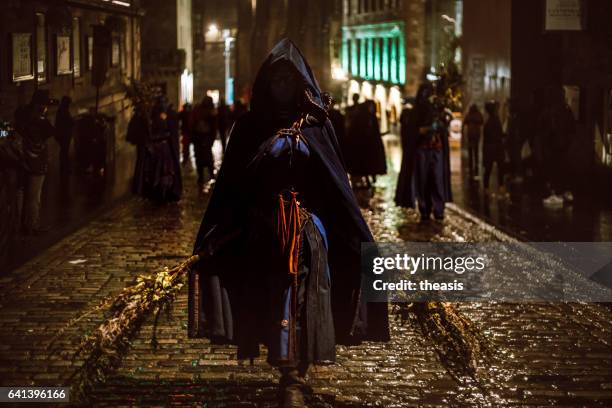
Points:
(285, 51)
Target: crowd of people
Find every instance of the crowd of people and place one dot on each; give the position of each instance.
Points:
(25, 158)
(523, 143)
(164, 139)
(530, 143)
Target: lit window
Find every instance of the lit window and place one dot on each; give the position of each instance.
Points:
(76, 46)
(41, 47)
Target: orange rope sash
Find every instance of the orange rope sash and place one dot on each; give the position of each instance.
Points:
(289, 226)
(288, 229)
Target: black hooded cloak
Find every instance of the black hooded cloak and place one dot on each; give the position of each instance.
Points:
(219, 301)
(364, 147)
(157, 175)
(405, 195)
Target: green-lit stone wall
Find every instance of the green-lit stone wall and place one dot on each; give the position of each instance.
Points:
(375, 52)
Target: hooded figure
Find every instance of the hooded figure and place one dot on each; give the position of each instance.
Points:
(405, 191)
(365, 150)
(432, 163)
(158, 173)
(282, 197)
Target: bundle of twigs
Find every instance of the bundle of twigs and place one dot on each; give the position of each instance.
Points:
(459, 343)
(104, 349)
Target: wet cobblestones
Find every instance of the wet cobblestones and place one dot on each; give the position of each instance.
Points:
(545, 354)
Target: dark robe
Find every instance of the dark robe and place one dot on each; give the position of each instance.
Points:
(426, 114)
(365, 150)
(157, 175)
(227, 288)
(351, 144)
(405, 191)
(339, 124)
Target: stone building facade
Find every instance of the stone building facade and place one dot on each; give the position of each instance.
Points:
(37, 27)
(233, 37)
(167, 48)
(49, 45)
(390, 46)
(314, 25)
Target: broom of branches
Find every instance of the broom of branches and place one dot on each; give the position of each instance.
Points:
(104, 349)
(459, 343)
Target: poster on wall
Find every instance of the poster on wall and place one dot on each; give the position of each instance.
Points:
(564, 15)
(23, 69)
(63, 55)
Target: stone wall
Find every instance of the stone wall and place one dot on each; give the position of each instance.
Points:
(19, 17)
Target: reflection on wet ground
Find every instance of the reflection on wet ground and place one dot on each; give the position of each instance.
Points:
(69, 202)
(588, 218)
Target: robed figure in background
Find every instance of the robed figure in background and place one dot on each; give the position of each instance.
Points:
(405, 191)
(280, 239)
(432, 162)
(203, 133)
(158, 172)
(365, 151)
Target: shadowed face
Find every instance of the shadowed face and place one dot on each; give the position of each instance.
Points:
(283, 84)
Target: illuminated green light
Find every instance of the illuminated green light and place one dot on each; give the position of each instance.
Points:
(370, 58)
(402, 60)
(375, 51)
(354, 58)
(394, 78)
(362, 59)
(377, 75)
(385, 59)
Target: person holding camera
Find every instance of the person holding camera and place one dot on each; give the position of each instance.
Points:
(32, 123)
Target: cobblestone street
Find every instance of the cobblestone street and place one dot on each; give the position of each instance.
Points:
(545, 354)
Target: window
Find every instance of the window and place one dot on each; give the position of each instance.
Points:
(363, 67)
(394, 63)
(385, 59)
(115, 52)
(89, 52)
(41, 48)
(76, 46)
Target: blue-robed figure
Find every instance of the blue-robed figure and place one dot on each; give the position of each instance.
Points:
(280, 240)
(425, 174)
